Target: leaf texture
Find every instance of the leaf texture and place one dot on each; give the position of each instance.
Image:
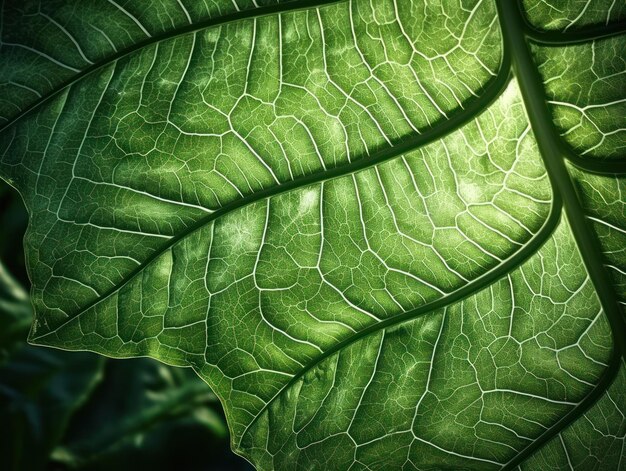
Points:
(354, 221)
(572, 15)
(595, 441)
(584, 85)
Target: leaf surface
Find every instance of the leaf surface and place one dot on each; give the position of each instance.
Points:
(355, 221)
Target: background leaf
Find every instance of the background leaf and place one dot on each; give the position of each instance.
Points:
(39, 388)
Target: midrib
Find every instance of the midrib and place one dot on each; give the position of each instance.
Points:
(551, 150)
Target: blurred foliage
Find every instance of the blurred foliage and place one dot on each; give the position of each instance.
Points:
(80, 411)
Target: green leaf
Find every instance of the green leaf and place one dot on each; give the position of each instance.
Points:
(370, 227)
